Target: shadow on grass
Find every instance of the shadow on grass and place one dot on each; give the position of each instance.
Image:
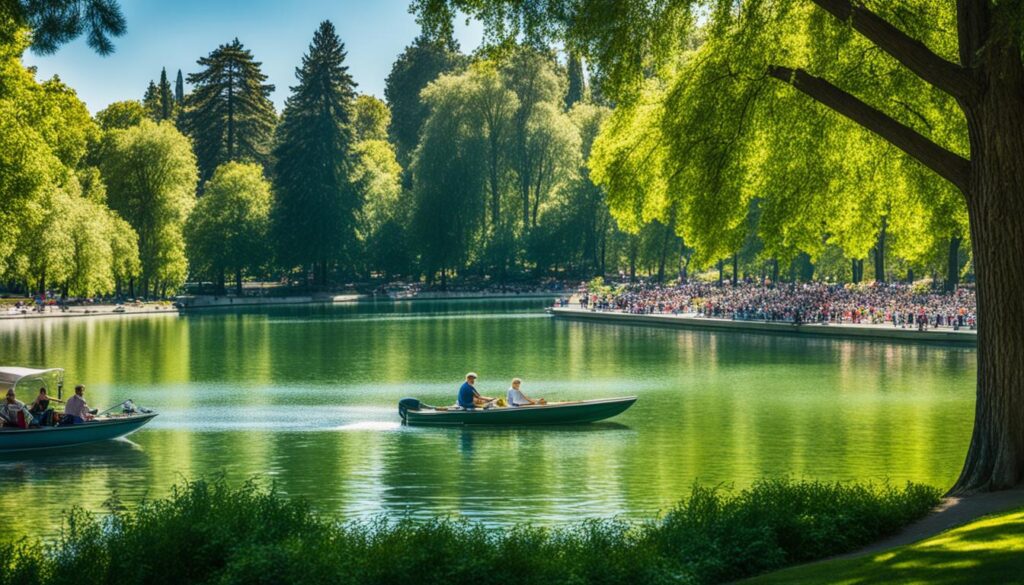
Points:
(988, 551)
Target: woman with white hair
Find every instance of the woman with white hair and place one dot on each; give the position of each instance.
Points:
(515, 396)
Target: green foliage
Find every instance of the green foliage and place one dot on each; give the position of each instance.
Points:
(207, 532)
(315, 219)
(229, 115)
(385, 214)
(56, 22)
(371, 118)
(419, 64)
(150, 173)
(121, 115)
(229, 228)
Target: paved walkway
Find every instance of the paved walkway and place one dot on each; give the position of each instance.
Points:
(692, 321)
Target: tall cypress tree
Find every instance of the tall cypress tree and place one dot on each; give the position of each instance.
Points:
(316, 207)
(166, 98)
(179, 89)
(229, 114)
(577, 85)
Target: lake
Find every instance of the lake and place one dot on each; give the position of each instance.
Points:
(305, 396)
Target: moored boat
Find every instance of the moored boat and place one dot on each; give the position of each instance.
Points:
(101, 428)
(413, 411)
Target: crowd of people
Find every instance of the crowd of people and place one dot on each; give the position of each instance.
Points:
(899, 305)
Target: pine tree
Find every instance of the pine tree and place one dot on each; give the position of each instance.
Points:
(179, 89)
(229, 114)
(166, 98)
(315, 216)
(577, 85)
(151, 101)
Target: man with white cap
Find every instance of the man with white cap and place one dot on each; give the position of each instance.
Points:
(468, 396)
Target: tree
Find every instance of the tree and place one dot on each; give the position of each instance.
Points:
(56, 22)
(577, 84)
(229, 227)
(229, 115)
(942, 85)
(419, 64)
(151, 101)
(448, 170)
(179, 90)
(315, 217)
(385, 213)
(121, 115)
(150, 173)
(371, 118)
(167, 111)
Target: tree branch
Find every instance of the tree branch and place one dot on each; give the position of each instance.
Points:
(912, 53)
(949, 165)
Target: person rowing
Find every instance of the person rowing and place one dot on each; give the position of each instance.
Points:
(515, 396)
(469, 398)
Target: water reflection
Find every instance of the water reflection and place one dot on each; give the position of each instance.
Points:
(304, 397)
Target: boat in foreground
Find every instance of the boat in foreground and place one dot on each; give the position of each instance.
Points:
(415, 412)
(102, 428)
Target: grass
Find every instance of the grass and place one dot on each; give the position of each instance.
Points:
(211, 533)
(990, 550)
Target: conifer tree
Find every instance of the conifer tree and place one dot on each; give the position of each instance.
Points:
(229, 114)
(151, 101)
(315, 216)
(577, 85)
(166, 98)
(179, 89)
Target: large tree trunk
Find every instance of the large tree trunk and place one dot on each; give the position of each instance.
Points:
(238, 281)
(995, 204)
(735, 270)
(953, 264)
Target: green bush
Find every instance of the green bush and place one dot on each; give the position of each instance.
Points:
(208, 532)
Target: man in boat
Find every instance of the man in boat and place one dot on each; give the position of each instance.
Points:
(14, 413)
(76, 411)
(42, 414)
(515, 396)
(468, 396)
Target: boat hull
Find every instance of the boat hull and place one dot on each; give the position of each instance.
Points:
(586, 411)
(67, 435)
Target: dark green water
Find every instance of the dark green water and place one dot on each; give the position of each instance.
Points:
(305, 396)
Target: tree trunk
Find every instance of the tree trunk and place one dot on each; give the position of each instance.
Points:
(953, 265)
(238, 281)
(857, 271)
(735, 270)
(880, 254)
(775, 271)
(910, 276)
(721, 272)
(995, 205)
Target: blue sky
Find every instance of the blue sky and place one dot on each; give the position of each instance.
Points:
(173, 34)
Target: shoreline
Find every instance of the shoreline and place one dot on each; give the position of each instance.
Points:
(850, 330)
(92, 311)
(202, 303)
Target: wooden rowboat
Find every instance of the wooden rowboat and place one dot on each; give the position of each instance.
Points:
(415, 412)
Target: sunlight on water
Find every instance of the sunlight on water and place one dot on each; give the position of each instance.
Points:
(306, 396)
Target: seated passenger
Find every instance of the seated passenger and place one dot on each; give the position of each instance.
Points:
(515, 396)
(76, 411)
(14, 413)
(469, 398)
(42, 414)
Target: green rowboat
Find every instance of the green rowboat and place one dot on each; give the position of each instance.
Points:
(414, 412)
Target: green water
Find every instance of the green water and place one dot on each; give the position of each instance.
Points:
(305, 396)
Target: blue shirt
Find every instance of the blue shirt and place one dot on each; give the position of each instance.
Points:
(466, 394)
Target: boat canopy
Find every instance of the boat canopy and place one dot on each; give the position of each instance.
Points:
(24, 379)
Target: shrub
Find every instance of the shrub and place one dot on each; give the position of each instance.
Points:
(209, 532)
